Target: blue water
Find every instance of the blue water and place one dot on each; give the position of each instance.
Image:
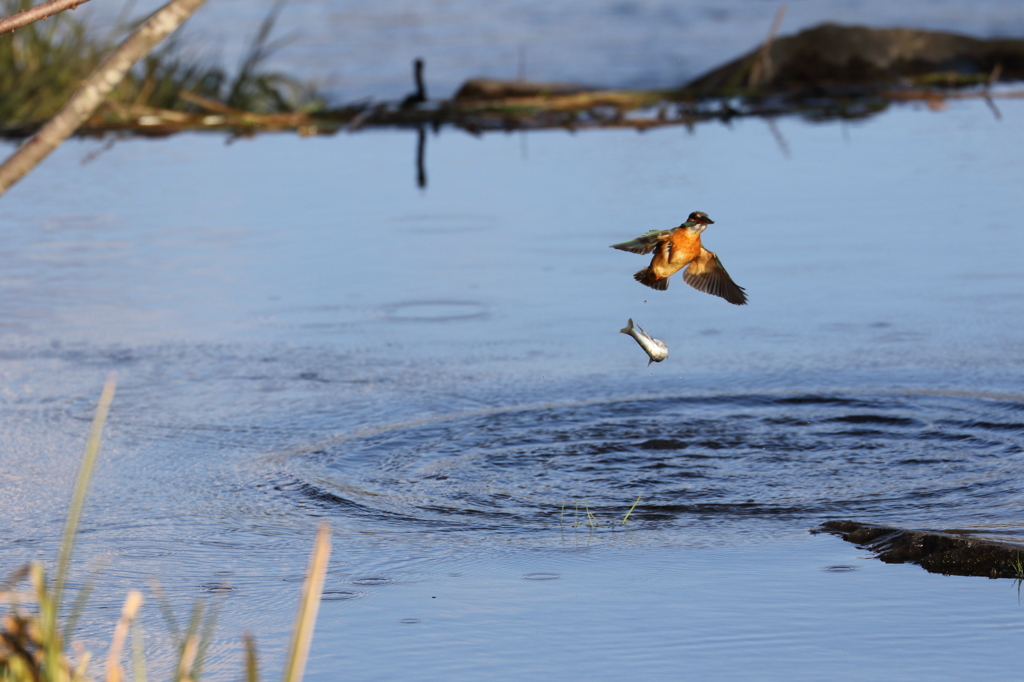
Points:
(300, 333)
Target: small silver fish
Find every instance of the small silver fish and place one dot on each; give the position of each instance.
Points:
(657, 350)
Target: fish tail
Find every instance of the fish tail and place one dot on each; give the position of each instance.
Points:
(649, 279)
(628, 329)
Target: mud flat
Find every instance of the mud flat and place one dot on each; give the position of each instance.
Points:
(946, 552)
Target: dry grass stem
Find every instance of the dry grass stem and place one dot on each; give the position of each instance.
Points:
(188, 657)
(309, 604)
(128, 611)
(252, 673)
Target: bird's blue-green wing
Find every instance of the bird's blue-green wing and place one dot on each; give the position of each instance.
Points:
(645, 243)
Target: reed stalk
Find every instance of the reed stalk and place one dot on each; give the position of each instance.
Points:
(128, 612)
(32, 645)
(309, 603)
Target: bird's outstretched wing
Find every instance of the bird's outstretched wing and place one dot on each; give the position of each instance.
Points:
(705, 273)
(646, 242)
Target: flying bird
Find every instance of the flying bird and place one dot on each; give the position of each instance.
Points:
(680, 248)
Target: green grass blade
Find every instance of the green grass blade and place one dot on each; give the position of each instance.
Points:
(189, 645)
(626, 517)
(166, 612)
(205, 637)
(305, 617)
(78, 606)
(138, 653)
(85, 471)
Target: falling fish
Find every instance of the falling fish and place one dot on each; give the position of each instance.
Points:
(657, 350)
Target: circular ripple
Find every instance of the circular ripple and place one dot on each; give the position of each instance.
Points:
(410, 621)
(216, 588)
(913, 459)
(373, 581)
(840, 569)
(340, 595)
(434, 311)
(542, 576)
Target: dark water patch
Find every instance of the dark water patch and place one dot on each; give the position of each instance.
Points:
(688, 459)
(873, 419)
(341, 595)
(990, 426)
(951, 552)
(217, 588)
(373, 581)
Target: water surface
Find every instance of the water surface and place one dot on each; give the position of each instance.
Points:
(301, 333)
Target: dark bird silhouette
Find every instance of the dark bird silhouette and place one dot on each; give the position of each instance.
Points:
(421, 92)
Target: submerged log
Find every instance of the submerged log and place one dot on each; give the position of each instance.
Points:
(945, 552)
(492, 88)
(858, 59)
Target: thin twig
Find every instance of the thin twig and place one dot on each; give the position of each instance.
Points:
(95, 89)
(761, 71)
(993, 78)
(209, 104)
(26, 17)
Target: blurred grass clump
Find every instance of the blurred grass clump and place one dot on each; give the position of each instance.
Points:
(35, 630)
(43, 63)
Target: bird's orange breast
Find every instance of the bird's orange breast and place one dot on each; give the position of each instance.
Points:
(685, 246)
(672, 257)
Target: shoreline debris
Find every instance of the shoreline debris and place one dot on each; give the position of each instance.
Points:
(825, 72)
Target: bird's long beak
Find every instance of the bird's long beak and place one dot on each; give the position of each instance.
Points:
(705, 221)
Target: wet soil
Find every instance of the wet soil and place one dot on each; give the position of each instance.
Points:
(831, 58)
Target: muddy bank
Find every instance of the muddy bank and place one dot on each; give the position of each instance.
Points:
(834, 59)
(826, 72)
(945, 552)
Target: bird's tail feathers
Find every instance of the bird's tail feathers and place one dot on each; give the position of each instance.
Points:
(647, 278)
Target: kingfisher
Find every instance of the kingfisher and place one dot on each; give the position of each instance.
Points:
(680, 248)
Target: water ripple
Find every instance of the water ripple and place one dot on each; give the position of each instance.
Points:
(913, 459)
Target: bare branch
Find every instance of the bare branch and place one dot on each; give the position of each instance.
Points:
(26, 17)
(95, 89)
